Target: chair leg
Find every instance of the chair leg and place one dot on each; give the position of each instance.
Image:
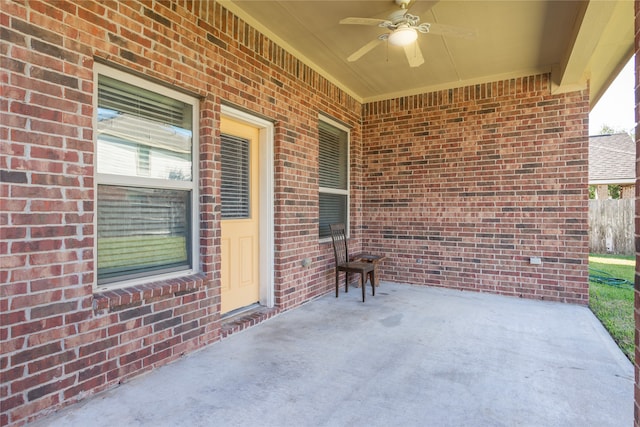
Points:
(337, 281)
(372, 279)
(346, 282)
(363, 282)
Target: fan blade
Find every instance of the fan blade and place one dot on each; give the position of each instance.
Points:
(414, 54)
(451, 31)
(362, 21)
(425, 6)
(364, 49)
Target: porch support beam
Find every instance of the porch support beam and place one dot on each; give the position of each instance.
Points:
(588, 28)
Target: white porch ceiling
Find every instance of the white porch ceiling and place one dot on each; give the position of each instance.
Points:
(574, 40)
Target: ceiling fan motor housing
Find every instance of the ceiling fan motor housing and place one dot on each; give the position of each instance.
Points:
(400, 18)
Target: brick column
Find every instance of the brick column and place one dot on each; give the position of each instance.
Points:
(637, 222)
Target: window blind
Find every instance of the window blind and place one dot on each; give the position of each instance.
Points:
(333, 210)
(157, 128)
(124, 98)
(141, 230)
(235, 191)
(333, 157)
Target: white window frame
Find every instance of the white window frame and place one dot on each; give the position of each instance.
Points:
(327, 190)
(143, 182)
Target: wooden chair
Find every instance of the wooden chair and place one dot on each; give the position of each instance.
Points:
(343, 263)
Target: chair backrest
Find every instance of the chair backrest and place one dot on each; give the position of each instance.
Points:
(339, 239)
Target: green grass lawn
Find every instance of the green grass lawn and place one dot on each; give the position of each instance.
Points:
(140, 251)
(613, 303)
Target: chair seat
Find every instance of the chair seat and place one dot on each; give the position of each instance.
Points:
(356, 267)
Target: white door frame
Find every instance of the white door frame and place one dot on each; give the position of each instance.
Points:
(265, 158)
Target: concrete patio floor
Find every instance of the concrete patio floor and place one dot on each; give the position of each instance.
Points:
(410, 356)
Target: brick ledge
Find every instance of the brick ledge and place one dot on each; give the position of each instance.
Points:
(245, 320)
(113, 300)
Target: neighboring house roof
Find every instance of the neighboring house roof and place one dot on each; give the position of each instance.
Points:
(612, 159)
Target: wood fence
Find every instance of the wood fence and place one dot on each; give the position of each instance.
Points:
(611, 226)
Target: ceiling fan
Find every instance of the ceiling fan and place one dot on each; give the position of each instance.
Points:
(404, 31)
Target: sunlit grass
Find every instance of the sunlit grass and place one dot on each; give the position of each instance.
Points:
(613, 305)
(613, 259)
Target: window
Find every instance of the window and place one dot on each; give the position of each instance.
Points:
(146, 191)
(334, 175)
(235, 191)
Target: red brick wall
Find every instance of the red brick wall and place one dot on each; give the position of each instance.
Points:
(465, 185)
(61, 340)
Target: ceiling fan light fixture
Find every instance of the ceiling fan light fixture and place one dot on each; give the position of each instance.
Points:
(403, 36)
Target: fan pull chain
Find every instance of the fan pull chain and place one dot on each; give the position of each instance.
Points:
(386, 49)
